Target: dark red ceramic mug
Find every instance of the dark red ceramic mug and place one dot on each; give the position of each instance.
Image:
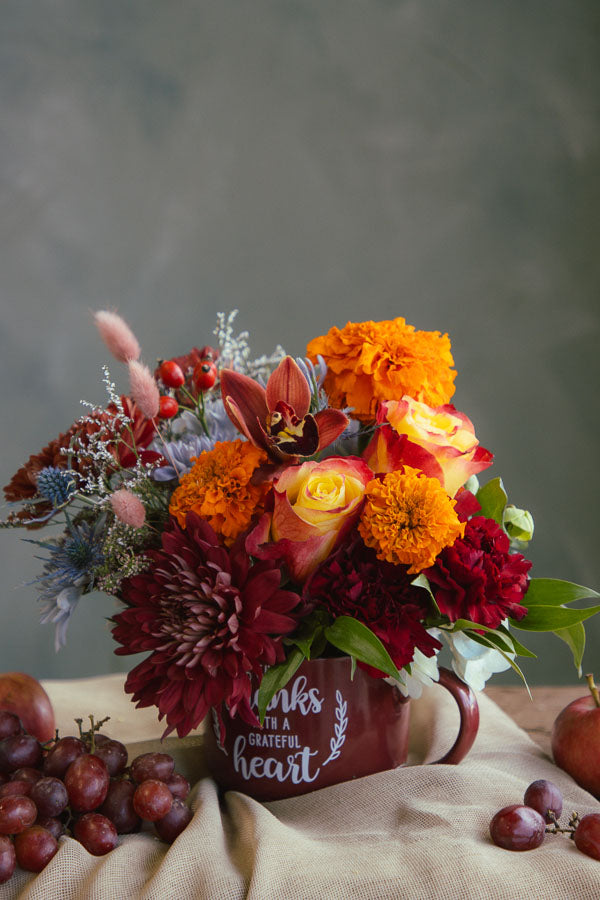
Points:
(323, 728)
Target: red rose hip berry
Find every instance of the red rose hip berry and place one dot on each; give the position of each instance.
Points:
(204, 375)
(167, 407)
(170, 374)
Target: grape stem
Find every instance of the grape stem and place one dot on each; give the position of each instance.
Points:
(555, 828)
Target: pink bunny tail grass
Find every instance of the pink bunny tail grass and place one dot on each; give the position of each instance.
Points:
(128, 508)
(117, 335)
(144, 388)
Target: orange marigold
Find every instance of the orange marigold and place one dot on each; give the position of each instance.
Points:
(218, 488)
(408, 519)
(373, 361)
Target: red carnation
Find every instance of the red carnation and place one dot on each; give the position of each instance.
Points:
(353, 582)
(478, 579)
(211, 620)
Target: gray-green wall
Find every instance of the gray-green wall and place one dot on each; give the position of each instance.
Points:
(309, 163)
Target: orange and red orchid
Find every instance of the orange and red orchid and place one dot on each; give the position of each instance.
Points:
(277, 419)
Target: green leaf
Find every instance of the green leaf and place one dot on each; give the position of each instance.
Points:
(520, 650)
(309, 637)
(574, 637)
(472, 629)
(277, 677)
(553, 618)
(487, 642)
(352, 637)
(466, 625)
(422, 581)
(492, 498)
(554, 592)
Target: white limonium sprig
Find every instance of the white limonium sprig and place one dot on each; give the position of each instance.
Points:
(235, 351)
(96, 446)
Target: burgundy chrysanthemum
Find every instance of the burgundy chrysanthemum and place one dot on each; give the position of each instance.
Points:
(478, 579)
(353, 582)
(211, 620)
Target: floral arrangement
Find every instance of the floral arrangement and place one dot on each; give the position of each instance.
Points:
(250, 514)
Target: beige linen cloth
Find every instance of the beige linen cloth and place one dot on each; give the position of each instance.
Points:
(419, 831)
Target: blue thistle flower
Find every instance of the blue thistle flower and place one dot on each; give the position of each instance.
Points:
(68, 573)
(55, 485)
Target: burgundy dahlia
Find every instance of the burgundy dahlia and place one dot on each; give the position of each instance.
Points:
(353, 582)
(210, 620)
(478, 579)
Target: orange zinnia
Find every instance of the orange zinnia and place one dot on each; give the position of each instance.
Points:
(408, 519)
(218, 488)
(373, 361)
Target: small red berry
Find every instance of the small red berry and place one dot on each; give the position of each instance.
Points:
(167, 407)
(170, 374)
(205, 375)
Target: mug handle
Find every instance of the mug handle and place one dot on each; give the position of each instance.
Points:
(469, 716)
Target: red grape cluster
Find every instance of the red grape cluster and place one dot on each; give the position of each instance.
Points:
(524, 826)
(82, 787)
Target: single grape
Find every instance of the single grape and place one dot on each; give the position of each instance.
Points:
(518, 828)
(545, 798)
(178, 785)
(8, 858)
(156, 766)
(9, 724)
(97, 833)
(26, 773)
(118, 807)
(86, 781)
(152, 800)
(170, 826)
(12, 788)
(34, 848)
(112, 753)
(19, 750)
(62, 754)
(16, 814)
(50, 796)
(51, 824)
(587, 835)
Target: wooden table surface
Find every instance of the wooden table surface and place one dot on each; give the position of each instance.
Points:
(535, 717)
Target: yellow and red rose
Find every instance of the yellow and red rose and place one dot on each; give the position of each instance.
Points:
(440, 441)
(314, 505)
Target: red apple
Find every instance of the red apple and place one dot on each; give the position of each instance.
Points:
(23, 695)
(576, 740)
